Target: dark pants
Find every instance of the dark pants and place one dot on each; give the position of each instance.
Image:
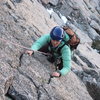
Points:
(58, 62)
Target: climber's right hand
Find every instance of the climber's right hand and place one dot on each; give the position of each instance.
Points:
(30, 52)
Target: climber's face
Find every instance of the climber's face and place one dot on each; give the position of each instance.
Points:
(55, 43)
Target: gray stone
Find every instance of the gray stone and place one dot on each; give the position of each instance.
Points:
(57, 19)
(95, 25)
(20, 25)
(53, 2)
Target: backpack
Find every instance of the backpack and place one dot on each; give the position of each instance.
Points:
(74, 40)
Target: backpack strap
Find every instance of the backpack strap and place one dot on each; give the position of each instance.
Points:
(50, 45)
(65, 43)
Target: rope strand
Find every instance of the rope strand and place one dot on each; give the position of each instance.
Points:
(18, 45)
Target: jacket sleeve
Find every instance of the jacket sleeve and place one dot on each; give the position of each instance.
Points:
(66, 58)
(40, 42)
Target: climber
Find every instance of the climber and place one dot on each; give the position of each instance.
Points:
(53, 43)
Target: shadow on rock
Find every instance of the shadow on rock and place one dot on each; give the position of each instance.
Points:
(14, 95)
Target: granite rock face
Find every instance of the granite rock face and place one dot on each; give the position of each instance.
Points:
(24, 77)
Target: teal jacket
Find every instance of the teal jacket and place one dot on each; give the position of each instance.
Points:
(65, 51)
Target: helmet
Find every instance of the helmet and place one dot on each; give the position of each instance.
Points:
(57, 33)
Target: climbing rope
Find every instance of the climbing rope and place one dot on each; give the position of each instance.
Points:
(18, 45)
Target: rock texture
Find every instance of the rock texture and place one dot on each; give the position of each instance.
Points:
(24, 77)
